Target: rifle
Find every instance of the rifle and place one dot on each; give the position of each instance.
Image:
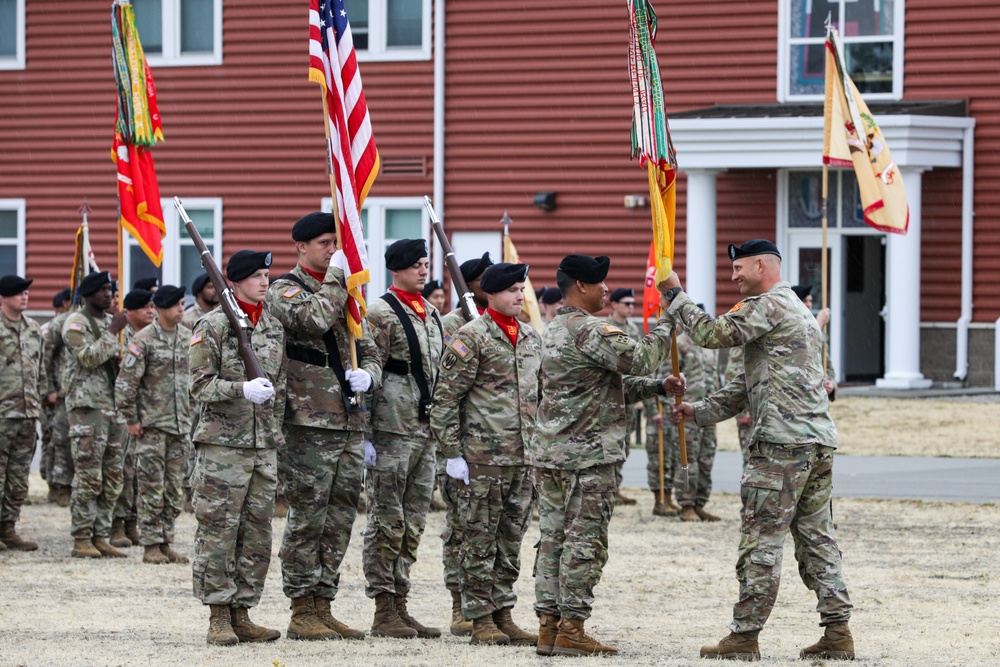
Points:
(465, 301)
(237, 318)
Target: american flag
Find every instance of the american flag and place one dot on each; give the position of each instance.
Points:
(355, 162)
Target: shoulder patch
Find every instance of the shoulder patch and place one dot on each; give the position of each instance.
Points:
(449, 360)
(197, 338)
(737, 306)
(135, 349)
(291, 291)
(460, 348)
(610, 330)
(76, 326)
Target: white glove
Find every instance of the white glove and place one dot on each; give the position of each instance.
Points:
(369, 454)
(339, 260)
(258, 390)
(457, 468)
(360, 380)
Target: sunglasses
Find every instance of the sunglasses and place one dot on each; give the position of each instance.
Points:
(627, 303)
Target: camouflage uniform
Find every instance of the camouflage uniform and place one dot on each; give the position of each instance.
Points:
(787, 481)
(57, 455)
(125, 508)
(734, 367)
(153, 390)
(321, 463)
(484, 411)
(700, 367)
(631, 410)
(589, 372)
(235, 480)
(96, 429)
(191, 316)
(399, 487)
(22, 381)
(671, 447)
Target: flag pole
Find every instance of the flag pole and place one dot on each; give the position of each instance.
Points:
(823, 261)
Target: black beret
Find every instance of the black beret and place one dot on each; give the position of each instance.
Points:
(539, 292)
(753, 247)
(244, 263)
(473, 268)
(430, 286)
(95, 281)
(137, 298)
(802, 291)
(551, 295)
(590, 270)
(199, 284)
(13, 285)
(500, 276)
(146, 283)
(312, 225)
(168, 296)
(61, 297)
(404, 253)
(621, 293)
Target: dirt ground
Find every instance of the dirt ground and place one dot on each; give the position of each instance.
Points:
(923, 577)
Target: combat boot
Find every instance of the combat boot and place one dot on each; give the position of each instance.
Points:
(688, 514)
(305, 624)
(704, 515)
(14, 541)
(485, 631)
(280, 507)
(548, 628)
(835, 644)
(248, 631)
(459, 626)
(505, 623)
(172, 555)
(53, 494)
(220, 626)
(153, 556)
(659, 509)
(668, 504)
(64, 497)
(3, 547)
(132, 531)
(423, 631)
(188, 507)
(328, 619)
(572, 640)
(118, 537)
(622, 499)
(735, 646)
(387, 622)
(84, 549)
(108, 551)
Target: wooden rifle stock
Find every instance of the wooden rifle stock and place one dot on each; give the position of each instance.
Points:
(237, 318)
(465, 301)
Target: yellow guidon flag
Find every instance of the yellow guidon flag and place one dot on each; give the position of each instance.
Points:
(530, 301)
(852, 138)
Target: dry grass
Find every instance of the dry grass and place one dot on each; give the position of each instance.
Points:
(923, 576)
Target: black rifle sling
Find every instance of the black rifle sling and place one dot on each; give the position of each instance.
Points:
(416, 366)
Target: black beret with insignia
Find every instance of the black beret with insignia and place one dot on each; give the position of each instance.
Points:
(621, 293)
(753, 247)
(94, 281)
(430, 286)
(404, 253)
(551, 295)
(590, 270)
(146, 283)
(137, 298)
(312, 225)
(13, 285)
(61, 297)
(168, 296)
(500, 276)
(199, 284)
(802, 291)
(473, 268)
(244, 263)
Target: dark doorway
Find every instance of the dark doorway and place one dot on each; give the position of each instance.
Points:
(864, 298)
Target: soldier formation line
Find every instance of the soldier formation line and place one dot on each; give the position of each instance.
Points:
(147, 409)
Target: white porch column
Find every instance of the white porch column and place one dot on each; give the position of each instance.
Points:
(699, 276)
(902, 331)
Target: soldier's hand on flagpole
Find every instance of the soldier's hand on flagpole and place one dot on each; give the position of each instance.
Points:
(674, 386)
(673, 280)
(457, 468)
(679, 411)
(823, 317)
(258, 390)
(359, 380)
(370, 455)
(117, 323)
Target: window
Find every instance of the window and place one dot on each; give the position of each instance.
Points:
(805, 201)
(12, 237)
(386, 220)
(180, 32)
(871, 32)
(390, 29)
(181, 262)
(11, 34)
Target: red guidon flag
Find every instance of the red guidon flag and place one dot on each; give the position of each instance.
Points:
(139, 197)
(650, 295)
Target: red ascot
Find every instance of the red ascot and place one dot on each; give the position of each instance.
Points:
(412, 299)
(253, 312)
(315, 274)
(507, 324)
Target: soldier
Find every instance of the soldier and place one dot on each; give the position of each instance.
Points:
(734, 367)
(152, 392)
(237, 440)
(471, 270)
(550, 302)
(433, 291)
(22, 381)
(622, 304)
(408, 336)
(205, 300)
(483, 413)
(57, 456)
(150, 284)
(96, 429)
(578, 442)
(321, 465)
(786, 483)
(804, 292)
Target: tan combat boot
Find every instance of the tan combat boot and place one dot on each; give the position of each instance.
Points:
(459, 626)
(14, 541)
(248, 631)
(153, 556)
(548, 628)
(108, 551)
(280, 507)
(64, 497)
(704, 515)
(688, 514)
(505, 623)
(220, 627)
(668, 504)
(172, 555)
(84, 549)
(305, 624)
(572, 640)
(659, 509)
(3, 547)
(485, 631)
(387, 622)
(423, 631)
(835, 644)
(132, 531)
(735, 646)
(327, 619)
(118, 537)
(622, 499)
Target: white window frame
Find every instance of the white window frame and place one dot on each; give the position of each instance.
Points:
(785, 42)
(377, 50)
(18, 61)
(172, 56)
(376, 241)
(172, 242)
(19, 206)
